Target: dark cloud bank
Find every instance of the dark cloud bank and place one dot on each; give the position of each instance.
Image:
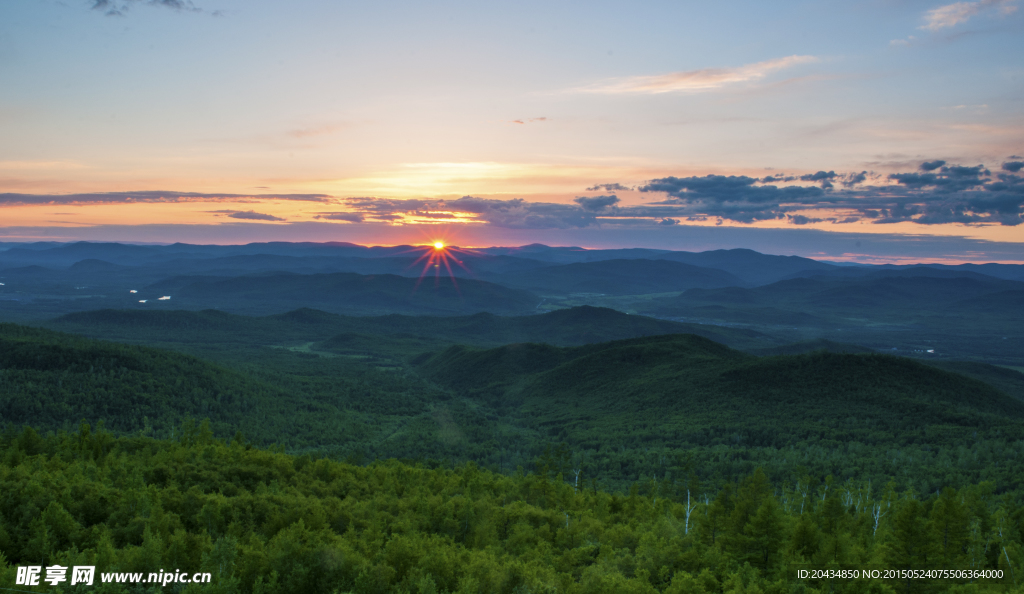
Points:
(936, 193)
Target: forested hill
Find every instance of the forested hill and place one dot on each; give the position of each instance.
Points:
(680, 371)
(52, 381)
(691, 394)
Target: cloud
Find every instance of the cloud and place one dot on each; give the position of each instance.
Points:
(1012, 184)
(734, 198)
(315, 131)
(823, 177)
(25, 164)
(248, 215)
(426, 214)
(931, 193)
(951, 15)
(352, 217)
(150, 196)
(609, 188)
(852, 179)
(802, 220)
(705, 79)
(529, 120)
(939, 194)
(514, 213)
(819, 176)
(947, 179)
(597, 203)
(113, 8)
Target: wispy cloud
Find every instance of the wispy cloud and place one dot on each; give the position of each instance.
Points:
(351, 217)
(529, 120)
(21, 165)
(115, 8)
(315, 131)
(951, 15)
(705, 79)
(150, 196)
(248, 215)
(609, 188)
(514, 213)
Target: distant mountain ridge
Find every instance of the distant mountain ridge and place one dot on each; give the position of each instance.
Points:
(754, 267)
(150, 261)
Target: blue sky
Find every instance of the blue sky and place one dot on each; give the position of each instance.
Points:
(219, 113)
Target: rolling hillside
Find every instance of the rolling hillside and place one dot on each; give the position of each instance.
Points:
(629, 408)
(686, 393)
(342, 292)
(52, 381)
(564, 327)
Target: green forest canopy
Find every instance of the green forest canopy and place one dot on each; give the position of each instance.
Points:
(264, 521)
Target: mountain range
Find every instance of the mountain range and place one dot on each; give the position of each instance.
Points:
(927, 311)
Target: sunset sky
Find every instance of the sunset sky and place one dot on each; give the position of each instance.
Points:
(877, 130)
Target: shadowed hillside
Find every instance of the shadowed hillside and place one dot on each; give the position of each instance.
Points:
(343, 292)
(811, 346)
(565, 327)
(51, 381)
(686, 391)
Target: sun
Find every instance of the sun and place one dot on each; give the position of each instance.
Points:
(438, 258)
